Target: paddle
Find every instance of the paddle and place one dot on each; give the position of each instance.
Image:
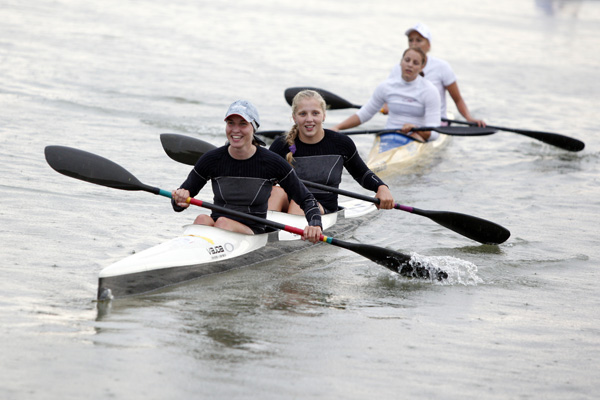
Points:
(554, 139)
(335, 102)
(447, 130)
(92, 168)
(474, 228)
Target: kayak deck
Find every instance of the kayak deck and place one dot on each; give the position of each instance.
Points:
(203, 250)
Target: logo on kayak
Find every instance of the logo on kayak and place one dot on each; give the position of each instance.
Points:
(220, 251)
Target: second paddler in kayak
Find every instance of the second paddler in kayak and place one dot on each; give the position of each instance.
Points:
(320, 155)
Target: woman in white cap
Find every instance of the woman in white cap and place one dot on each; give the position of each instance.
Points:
(413, 101)
(242, 175)
(320, 155)
(438, 72)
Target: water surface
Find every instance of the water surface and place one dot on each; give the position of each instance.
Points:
(517, 320)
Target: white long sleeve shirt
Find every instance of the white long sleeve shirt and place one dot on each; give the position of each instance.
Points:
(416, 102)
(438, 72)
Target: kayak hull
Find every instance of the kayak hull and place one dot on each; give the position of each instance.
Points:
(203, 250)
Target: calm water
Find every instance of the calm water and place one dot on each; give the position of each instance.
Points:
(521, 319)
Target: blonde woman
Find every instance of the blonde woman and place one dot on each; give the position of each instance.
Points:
(320, 155)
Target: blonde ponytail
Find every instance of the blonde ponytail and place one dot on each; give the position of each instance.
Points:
(290, 139)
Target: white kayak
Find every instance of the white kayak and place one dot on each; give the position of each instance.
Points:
(204, 250)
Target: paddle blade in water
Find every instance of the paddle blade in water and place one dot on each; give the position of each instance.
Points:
(554, 139)
(392, 260)
(91, 168)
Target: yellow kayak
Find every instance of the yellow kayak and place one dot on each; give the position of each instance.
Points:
(394, 151)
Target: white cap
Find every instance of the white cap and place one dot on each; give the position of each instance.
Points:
(422, 29)
(246, 110)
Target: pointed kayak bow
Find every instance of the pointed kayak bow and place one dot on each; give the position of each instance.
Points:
(92, 168)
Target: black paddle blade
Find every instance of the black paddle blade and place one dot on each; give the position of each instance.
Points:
(184, 149)
(554, 139)
(333, 101)
(464, 130)
(91, 168)
(475, 228)
(392, 260)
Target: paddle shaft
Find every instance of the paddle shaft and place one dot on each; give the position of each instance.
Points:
(475, 228)
(248, 217)
(554, 139)
(447, 130)
(358, 196)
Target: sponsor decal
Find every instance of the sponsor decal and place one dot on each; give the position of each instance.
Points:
(220, 251)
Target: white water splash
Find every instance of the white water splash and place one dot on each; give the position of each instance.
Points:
(460, 272)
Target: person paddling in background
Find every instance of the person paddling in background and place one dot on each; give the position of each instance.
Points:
(320, 155)
(413, 101)
(242, 175)
(436, 71)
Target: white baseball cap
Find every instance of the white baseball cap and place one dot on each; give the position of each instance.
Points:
(246, 110)
(422, 29)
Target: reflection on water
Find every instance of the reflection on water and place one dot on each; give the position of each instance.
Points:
(559, 7)
(484, 248)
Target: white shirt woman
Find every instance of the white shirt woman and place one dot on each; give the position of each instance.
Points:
(412, 100)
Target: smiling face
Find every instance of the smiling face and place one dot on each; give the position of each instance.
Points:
(412, 64)
(309, 117)
(239, 132)
(416, 40)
